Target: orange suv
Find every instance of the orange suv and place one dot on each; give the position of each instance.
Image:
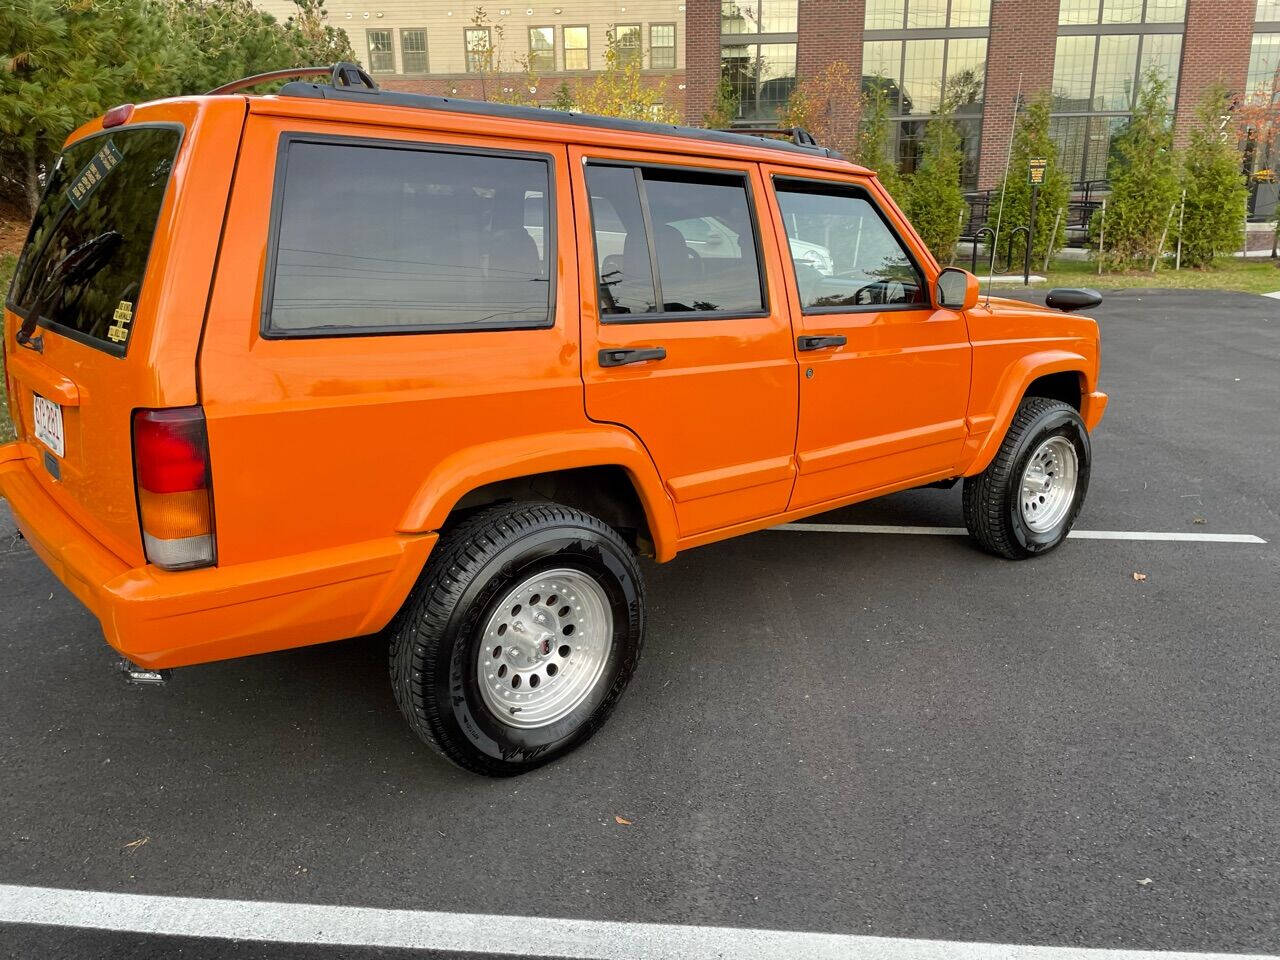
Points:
(293, 368)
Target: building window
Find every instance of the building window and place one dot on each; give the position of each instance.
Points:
(762, 76)
(577, 48)
(1109, 12)
(542, 49)
(413, 51)
(927, 14)
(1264, 63)
(760, 16)
(1098, 72)
(382, 56)
(479, 47)
(1268, 11)
(626, 37)
(662, 46)
(916, 77)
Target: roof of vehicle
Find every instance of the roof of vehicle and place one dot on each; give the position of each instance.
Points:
(422, 101)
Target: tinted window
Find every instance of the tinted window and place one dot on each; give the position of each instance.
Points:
(382, 239)
(702, 235)
(622, 248)
(87, 252)
(845, 255)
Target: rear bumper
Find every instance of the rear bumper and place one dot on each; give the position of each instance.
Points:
(161, 619)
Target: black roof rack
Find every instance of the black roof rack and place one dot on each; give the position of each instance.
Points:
(341, 75)
(797, 135)
(348, 82)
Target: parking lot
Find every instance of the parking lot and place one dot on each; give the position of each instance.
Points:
(875, 734)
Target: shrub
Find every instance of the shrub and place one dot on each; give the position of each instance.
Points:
(1143, 170)
(874, 149)
(934, 198)
(1213, 220)
(1032, 141)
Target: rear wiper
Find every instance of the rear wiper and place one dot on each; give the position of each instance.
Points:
(78, 266)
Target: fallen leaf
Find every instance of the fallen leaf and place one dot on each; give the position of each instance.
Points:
(137, 843)
(1139, 576)
(622, 821)
(1144, 881)
(1198, 520)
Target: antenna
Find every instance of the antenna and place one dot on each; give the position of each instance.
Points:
(1008, 158)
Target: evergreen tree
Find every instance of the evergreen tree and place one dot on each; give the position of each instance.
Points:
(63, 62)
(874, 148)
(1032, 141)
(1214, 180)
(724, 108)
(1143, 170)
(563, 99)
(935, 200)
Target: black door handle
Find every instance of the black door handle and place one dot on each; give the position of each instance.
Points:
(821, 343)
(616, 358)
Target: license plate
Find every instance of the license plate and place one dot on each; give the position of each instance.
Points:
(47, 416)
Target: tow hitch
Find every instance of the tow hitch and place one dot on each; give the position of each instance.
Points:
(141, 675)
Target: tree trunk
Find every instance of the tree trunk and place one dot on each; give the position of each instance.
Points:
(32, 184)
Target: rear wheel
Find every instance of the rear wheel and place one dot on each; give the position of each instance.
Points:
(1027, 499)
(520, 637)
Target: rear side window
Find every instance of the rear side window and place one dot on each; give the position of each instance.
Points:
(673, 241)
(87, 251)
(393, 238)
(846, 256)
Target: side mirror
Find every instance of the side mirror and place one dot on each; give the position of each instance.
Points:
(1072, 298)
(956, 289)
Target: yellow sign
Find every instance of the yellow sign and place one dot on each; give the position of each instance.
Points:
(123, 316)
(1035, 171)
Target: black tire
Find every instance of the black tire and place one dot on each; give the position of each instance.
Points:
(992, 508)
(435, 642)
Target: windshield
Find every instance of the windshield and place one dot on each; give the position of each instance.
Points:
(85, 257)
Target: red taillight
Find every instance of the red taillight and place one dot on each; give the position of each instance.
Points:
(171, 463)
(117, 115)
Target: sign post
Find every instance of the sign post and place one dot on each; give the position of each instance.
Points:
(1035, 176)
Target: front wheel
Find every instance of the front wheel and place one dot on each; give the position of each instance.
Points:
(520, 637)
(1027, 499)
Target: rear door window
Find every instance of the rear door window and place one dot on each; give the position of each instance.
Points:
(674, 241)
(82, 267)
(397, 238)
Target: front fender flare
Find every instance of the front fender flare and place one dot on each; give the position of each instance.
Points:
(484, 463)
(984, 443)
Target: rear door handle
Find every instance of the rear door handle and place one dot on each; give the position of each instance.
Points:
(821, 343)
(617, 358)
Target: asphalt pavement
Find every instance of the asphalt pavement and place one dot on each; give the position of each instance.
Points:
(882, 735)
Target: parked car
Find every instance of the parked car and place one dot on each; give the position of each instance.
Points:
(337, 361)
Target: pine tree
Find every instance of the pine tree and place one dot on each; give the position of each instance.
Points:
(1144, 182)
(1032, 141)
(1217, 196)
(935, 200)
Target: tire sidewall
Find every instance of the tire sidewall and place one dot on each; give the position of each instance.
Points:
(1066, 423)
(462, 708)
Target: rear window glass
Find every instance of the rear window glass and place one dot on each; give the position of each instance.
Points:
(86, 255)
(386, 239)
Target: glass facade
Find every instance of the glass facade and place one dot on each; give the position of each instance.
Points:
(918, 72)
(761, 16)
(1097, 73)
(762, 76)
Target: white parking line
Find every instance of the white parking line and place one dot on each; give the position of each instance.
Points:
(304, 923)
(1178, 536)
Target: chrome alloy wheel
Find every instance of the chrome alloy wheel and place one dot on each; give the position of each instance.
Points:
(544, 648)
(1049, 484)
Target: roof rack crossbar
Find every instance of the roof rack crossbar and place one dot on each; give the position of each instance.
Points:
(797, 135)
(342, 76)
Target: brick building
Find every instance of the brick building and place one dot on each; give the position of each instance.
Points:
(436, 46)
(1088, 53)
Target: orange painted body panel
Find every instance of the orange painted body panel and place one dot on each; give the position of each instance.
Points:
(336, 460)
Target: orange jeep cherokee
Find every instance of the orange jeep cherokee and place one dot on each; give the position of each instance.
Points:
(287, 369)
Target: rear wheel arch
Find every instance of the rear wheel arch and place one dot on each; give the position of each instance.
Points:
(604, 472)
